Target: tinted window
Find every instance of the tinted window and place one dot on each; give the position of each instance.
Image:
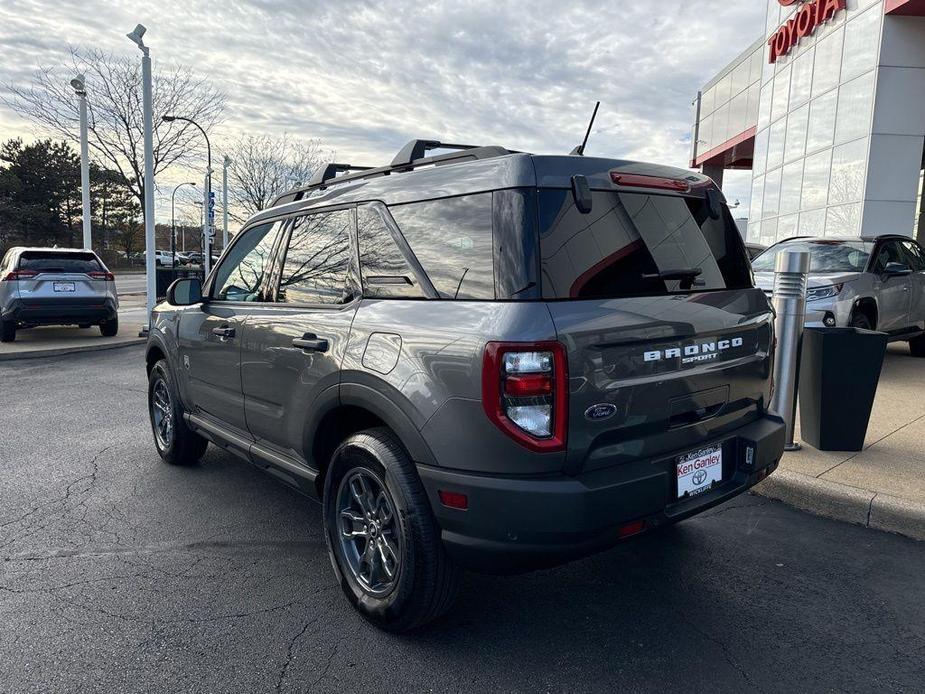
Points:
(633, 244)
(452, 240)
(914, 255)
(383, 267)
(824, 256)
(317, 260)
(52, 262)
(241, 275)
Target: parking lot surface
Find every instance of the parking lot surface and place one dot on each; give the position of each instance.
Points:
(119, 573)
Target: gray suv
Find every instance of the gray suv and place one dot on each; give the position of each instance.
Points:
(56, 286)
(482, 360)
(875, 283)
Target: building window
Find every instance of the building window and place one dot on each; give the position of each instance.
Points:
(862, 39)
(827, 70)
(781, 93)
(801, 84)
(812, 223)
(855, 100)
(822, 122)
(772, 194)
(791, 188)
(816, 179)
(776, 143)
(797, 125)
(847, 180)
(843, 220)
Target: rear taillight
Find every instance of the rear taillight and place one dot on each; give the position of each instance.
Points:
(524, 392)
(644, 181)
(99, 275)
(20, 275)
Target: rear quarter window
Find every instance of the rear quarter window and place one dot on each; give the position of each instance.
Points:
(629, 241)
(51, 262)
(452, 240)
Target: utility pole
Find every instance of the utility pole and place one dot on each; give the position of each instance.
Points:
(225, 165)
(80, 88)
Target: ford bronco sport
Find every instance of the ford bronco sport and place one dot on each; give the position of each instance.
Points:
(481, 360)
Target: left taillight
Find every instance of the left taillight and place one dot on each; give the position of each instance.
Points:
(525, 392)
(100, 275)
(20, 275)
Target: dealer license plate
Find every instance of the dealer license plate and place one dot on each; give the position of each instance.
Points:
(64, 286)
(697, 471)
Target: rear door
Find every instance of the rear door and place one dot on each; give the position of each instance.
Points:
(668, 342)
(210, 335)
(293, 347)
(894, 293)
(52, 278)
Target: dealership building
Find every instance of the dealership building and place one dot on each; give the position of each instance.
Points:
(827, 110)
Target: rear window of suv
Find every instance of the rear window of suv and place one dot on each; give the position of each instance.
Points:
(52, 262)
(637, 244)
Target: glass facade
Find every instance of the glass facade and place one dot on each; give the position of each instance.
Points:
(729, 106)
(814, 123)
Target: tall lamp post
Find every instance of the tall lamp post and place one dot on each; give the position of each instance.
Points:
(173, 222)
(151, 285)
(80, 88)
(207, 193)
(225, 164)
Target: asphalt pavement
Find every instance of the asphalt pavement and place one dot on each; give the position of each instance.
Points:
(130, 283)
(120, 574)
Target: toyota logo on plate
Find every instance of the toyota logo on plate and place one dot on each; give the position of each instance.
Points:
(699, 477)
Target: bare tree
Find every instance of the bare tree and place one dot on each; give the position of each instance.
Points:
(115, 111)
(264, 167)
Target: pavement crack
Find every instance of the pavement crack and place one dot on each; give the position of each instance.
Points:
(289, 652)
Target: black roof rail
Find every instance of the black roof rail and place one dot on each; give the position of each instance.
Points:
(417, 149)
(328, 171)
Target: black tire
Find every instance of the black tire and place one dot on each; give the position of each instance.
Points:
(7, 331)
(426, 580)
(860, 320)
(110, 328)
(182, 446)
(917, 346)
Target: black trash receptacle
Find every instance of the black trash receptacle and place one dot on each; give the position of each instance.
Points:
(839, 372)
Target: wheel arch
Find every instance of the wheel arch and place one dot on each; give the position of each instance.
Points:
(868, 306)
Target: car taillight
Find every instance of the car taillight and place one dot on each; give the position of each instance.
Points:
(524, 392)
(99, 275)
(20, 275)
(646, 181)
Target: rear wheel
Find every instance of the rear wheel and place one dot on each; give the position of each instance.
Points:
(917, 346)
(382, 537)
(176, 443)
(7, 331)
(110, 328)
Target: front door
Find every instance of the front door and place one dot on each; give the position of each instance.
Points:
(916, 260)
(294, 347)
(894, 292)
(210, 335)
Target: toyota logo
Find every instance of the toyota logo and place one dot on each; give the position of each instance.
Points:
(699, 477)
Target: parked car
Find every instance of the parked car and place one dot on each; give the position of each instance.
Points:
(56, 286)
(754, 250)
(480, 360)
(875, 283)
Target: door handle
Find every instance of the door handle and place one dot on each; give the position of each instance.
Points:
(225, 332)
(311, 343)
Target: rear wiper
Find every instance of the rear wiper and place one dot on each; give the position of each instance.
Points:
(682, 273)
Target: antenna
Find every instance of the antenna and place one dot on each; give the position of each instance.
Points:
(580, 149)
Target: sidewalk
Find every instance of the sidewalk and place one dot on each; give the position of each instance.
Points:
(882, 486)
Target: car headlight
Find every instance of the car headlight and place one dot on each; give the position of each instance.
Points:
(827, 292)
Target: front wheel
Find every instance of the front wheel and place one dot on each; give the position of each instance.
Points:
(176, 443)
(860, 320)
(383, 540)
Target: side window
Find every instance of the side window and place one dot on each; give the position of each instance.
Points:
(889, 253)
(452, 239)
(317, 260)
(916, 258)
(383, 267)
(241, 274)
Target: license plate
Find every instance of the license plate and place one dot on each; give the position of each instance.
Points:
(64, 286)
(697, 471)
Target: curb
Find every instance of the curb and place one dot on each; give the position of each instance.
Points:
(844, 503)
(60, 351)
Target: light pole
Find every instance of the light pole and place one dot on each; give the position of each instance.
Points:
(207, 193)
(80, 88)
(151, 284)
(225, 164)
(173, 222)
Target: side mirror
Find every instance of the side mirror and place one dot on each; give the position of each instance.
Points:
(185, 292)
(896, 270)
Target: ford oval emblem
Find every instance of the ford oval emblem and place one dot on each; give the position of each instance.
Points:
(600, 411)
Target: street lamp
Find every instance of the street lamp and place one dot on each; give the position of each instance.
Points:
(151, 287)
(207, 192)
(225, 164)
(173, 222)
(80, 88)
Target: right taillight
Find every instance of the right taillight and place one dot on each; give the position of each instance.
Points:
(524, 392)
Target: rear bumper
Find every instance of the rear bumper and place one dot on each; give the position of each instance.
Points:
(59, 311)
(517, 524)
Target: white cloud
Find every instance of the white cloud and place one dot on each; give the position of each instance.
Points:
(365, 77)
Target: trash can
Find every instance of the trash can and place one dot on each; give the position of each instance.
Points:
(839, 372)
(165, 276)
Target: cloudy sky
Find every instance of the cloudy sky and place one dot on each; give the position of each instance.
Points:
(365, 77)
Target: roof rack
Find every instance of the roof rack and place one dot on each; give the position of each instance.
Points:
(329, 171)
(411, 156)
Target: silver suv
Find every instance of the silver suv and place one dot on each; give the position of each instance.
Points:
(56, 286)
(876, 283)
(483, 359)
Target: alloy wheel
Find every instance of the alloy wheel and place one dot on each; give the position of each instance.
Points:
(162, 414)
